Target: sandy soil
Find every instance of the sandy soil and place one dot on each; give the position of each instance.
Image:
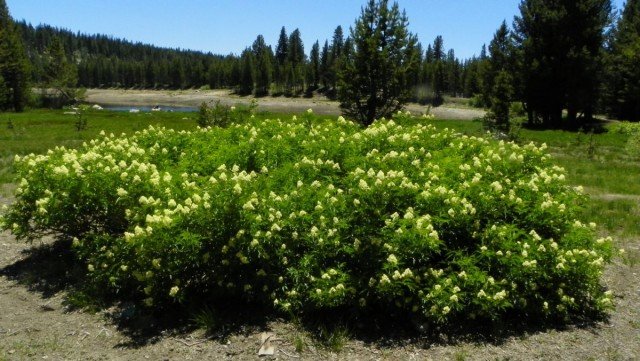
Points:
(36, 323)
(319, 104)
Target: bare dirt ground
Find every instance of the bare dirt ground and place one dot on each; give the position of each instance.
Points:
(36, 323)
(319, 104)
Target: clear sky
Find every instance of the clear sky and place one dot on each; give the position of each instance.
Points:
(228, 26)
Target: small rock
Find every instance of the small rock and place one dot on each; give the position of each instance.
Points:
(266, 349)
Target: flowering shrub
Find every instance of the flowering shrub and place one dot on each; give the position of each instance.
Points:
(321, 216)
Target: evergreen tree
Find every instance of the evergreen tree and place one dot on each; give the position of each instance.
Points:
(335, 60)
(337, 43)
(5, 94)
(437, 72)
(282, 49)
(501, 100)
(471, 77)
(623, 69)
(314, 64)
(14, 64)
(438, 48)
(246, 73)
(501, 50)
(263, 68)
(324, 64)
(296, 62)
(561, 43)
(60, 74)
(453, 73)
(281, 58)
(429, 56)
(373, 81)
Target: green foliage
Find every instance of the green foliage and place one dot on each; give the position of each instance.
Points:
(14, 65)
(299, 343)
(633, 145)
(333, 338)
(208, 319)
(516, 109)
(373, 81)
(81, 118)
(247, 73)
(632, 130)
(497, 78)
(263, 68)
(61, 75)
(502, 94)
(221, 115)
(561, 72)
(626, 128)
(326, 216)
(622, 85)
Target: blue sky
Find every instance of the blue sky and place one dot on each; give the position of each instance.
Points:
(228, 26)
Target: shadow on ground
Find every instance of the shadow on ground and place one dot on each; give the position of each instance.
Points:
(51, 268)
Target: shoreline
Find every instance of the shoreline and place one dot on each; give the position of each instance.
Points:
(193, 98)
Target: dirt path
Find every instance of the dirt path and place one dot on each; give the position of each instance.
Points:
(320, 105)
(35, 323)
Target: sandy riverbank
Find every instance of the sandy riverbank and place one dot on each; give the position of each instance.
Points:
(320, 105)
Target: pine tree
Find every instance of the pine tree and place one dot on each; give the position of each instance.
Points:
(282, 49)
(373, 81)
(14, 64)
(623, 72)
(437, 71)
(281, 58)
(246, 73)
(471, 77)
(501, 100)
(335, 59)
(438, 48)
(263, 67)
(501, 51)
(5, 94)
(562, 44)
(60, 74)
(429, 56)
(453, 73)
(296, 61)
(324, 65)
(314, 64)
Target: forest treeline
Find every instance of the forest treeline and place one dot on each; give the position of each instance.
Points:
(288, 68)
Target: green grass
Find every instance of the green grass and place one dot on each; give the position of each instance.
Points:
(38, 130)
(333, 338)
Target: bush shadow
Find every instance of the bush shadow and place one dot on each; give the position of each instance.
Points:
(51, 268)
(46, 268)
(393, 330)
